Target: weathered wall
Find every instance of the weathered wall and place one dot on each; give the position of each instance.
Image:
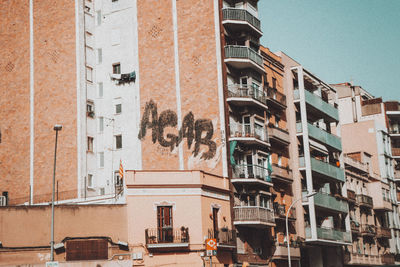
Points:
(196, 91)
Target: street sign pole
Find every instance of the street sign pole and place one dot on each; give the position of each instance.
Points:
(210, 261)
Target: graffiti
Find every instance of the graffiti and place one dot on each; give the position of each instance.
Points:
(198, 132)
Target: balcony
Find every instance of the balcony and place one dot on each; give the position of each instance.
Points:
(365, 201)
(276, 98)
(242, 57)
(362, 259)
(278, 135)
(368, 230)
(355, 227)
(324, 169)
(321, 136)
(396, 152)
(387, 259)
(281, 252)
(250, 174)
(317, 105)
(280, 212)
(329, 234)
(253, 216)
(351, 196)
(167, 237)
(250, 134)
(383, 232)
(331, 203)
(226, 238)
(281, 173)
(355, 164)
(241, 19)
(246, 96)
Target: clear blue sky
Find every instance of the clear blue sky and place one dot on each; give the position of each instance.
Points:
(340, 40)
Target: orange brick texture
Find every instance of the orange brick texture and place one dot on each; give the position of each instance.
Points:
(198, 83)
(55, 96)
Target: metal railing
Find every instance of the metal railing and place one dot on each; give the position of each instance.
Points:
(274, 94)
(167, 235)
(251, 172)
(364, 200)
(252, 214)
(280, 210)
(237, 51)
(224, 236)
(250, 130)
(241, 14)
(355, 226)
(368, 229)
(235, 90)
(351, 195)
(383, 232)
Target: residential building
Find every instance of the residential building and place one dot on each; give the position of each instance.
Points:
(316, 155)
(363, 128)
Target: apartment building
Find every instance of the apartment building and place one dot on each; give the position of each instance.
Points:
(363, 116)
(322, 221)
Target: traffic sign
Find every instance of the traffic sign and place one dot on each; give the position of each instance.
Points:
(211, 244)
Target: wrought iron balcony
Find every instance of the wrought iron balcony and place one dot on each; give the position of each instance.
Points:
(241, 16)
(167, 237)
(253, 216)
(250, 173)
(246, 95)
(225, 237)
(242, 57)
(364, 200)
(250, 134)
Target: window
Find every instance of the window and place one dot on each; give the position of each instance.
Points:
(89, 74)
(277, 120)
(116, 68)
(90, 144)
(100, 89)
(101, 124)
(164, 224)
(118, 108)
(90, 109)
(99, 55)
(118, 141)
(274, 83)
(101, 159)
(98, 17)
(117, 178)
(90, 181)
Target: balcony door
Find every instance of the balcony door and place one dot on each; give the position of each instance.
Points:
(164, 224)
(215, 221)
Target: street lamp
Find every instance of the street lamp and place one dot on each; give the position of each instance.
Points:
(56, 128)
(287, 227)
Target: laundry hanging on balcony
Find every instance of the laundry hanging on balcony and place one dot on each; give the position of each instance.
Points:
(124, 78)
(232, 146)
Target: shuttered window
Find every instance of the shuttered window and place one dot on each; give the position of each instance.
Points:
(86, 250)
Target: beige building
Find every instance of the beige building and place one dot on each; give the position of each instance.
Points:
(364, 132)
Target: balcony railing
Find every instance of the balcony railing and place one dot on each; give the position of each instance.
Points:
(396, 151)
(387, 259)
(351, 195)
(276, 97)
(368, 229)
(167, 237)
(251, 131)
(329, 202)
(244, 52)
(355, 164)
(321, 135)
(281, 172)
(318, 103)
(383, 232)
(241, 15)
(253, 215)
(324, 168)
(279, 134)
(330, 234)
(251, 172)
(364, 200)
(224, 236)
(235, 90)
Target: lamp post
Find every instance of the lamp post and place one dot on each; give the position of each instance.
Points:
(287, 225)
(56, 128)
